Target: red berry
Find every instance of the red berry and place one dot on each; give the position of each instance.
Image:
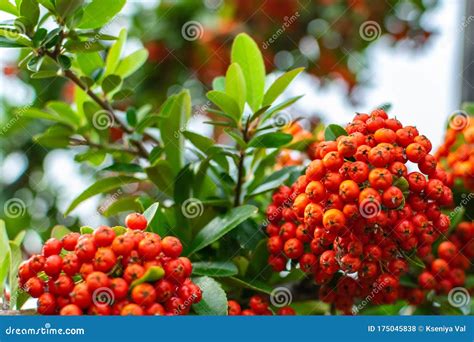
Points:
(136, 221)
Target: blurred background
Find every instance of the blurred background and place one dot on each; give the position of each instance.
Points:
(358, 54)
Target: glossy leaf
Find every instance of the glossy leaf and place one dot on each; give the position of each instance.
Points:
(246, 53)
(99, 12)
(225, 102)
(101, 186)
(235, 86)
(220, 226)
(215, 268)
(275, 139)
(153, 274)
(131, 63)
(113, 57)
(332, 132)
(280, 84)
(214, 299)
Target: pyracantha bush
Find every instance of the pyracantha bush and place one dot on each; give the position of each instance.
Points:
(456, 154)
(361, 211)
(258, 306)
(111, 272)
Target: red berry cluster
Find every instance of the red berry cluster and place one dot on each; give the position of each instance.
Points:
(358, 211)
(97, 274)
(258, 306)
(448, 268)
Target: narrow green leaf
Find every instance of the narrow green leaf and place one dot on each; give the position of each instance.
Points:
(280, 84)
(215, 268)
(44, 74)
(225, 102)
(39, 114)
(269, 140)
(14, 37)
(200, 141)
(15, 261)
(214, 299)
(64, 110)
(220, 226)
(246, 53)
(7, 6)
(235, 86)
(113, 58)
(99, 12)
(175, 112)
(67, 7)
(101, 186)
(111, 83)
(29, 12)
(151, 211)
(132, 63)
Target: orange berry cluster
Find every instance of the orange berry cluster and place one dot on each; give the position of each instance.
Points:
(456, 154)
(105, 273)
(356, 214)
(448, 268)
(258, 306)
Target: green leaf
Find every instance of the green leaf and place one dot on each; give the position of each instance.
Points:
(225, 102)
(175, 112)
(64, 62)
(99, 12)
(246, 53)
(280, 84)
(110, 83)
(4, 255)
(121, 205)
(275, 139)
(124, 167)
(87, 46)
(151, 211)
(119, 230)
(59, 232)
(44, 74)
(89, 62)
(403, 185)
(56, 136)
(132, 63)
(64, 110)
(201, 142)
(29, 12)
(215, 268)
(123, 94)
(154, 273)
(19, 237)
(66, 7)
(101, 186)
(332, 132)
(235, 86)
(14, 37)
(7, 6)
(220, 226)
(39, 114)
(113, 57)
(214, 299)
(277, 108)
(162, 176)
(86, 230)
(456, 216)
(250, 284)
(15, 261)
